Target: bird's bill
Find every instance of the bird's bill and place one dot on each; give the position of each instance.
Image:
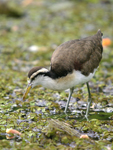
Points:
(27, 91)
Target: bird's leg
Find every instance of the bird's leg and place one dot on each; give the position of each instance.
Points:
(89, 101)
(70, 94)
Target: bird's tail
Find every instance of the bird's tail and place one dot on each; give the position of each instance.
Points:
(99, 33)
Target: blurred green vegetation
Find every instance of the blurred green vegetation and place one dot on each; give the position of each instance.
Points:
(30, 30)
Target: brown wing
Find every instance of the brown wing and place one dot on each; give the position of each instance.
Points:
(83, 55)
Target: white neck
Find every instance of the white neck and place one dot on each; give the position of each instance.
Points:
(50, 83)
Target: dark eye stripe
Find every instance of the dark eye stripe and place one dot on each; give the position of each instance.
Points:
(39, 74)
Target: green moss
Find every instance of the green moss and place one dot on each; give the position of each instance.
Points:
(65, 140)
(47, 25)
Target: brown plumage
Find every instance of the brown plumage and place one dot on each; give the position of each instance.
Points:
(33, 70)
(83, 55)
(73, 62)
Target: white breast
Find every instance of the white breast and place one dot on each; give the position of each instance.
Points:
(71, 80)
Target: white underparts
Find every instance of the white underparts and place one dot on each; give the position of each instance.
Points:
(69, 81)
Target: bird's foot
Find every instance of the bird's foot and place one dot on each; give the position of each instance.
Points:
(86, 117)
(65, 112)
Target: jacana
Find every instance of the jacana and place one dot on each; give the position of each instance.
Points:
(73, 62)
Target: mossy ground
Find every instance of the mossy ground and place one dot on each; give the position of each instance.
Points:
(47, 24)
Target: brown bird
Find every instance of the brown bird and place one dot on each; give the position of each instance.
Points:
(73, 62)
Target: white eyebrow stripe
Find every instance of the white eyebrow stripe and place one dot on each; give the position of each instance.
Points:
(37, 72)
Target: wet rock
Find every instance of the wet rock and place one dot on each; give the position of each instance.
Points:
(61, 103)
(109, 109)
(72, 144)
(41, 103)
(108, 89)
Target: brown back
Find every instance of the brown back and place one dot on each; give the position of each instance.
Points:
(83, 55)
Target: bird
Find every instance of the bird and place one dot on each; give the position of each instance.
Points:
(73, 62)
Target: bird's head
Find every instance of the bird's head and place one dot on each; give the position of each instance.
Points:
(35, 77)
